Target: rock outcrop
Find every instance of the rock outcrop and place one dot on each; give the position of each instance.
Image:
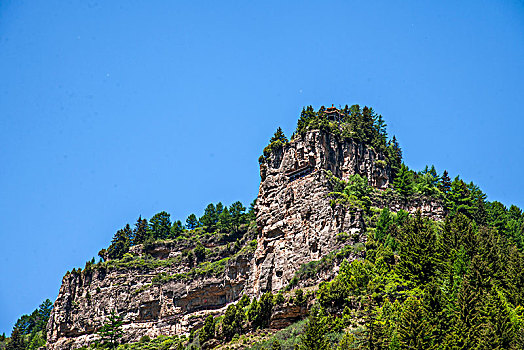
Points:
(296, 221)
(148, 306)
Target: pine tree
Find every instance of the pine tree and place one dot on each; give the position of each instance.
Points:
(120, 243)
(224, 220)
(465, 323)
(210, 218)
(176, 229)
(459, 200)
(200, 252)
(434, 305)
(111, 332)
(444, 184)
(498, 329)
(417, 251)
(237, 214)
(383, 223)
(414, 332)
(140, 231)
(160, 225)
(394, 154)
(314, 337)
(232, 323)
(403, 182)
(279, 136)
(16, 342)
(208, 331)
(192, 222)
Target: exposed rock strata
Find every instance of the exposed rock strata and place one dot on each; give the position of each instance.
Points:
(296, 225)
(296, 222)
(172, 307)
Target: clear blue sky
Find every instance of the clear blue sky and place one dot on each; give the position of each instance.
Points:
(111, 110)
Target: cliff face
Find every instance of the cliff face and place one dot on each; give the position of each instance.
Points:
(166, 307)
(296, 224)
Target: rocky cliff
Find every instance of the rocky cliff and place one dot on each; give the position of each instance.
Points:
(158, 292)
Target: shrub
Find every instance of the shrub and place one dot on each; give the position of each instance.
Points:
(145, 339)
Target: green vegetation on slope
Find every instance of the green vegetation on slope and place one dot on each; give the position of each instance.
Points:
(456, 284)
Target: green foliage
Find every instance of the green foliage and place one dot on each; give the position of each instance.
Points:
(404, 183)
(160, 225)
(385, 220)
(276, 143)
(17, 341)
(192, 222)
(359, 124)
(140, 231)
(418, 245)
(176, 229)
(279, 298)
(111, 332)
(208, 330)
(314, 337)
(279, 136)
(238, 216)
(200, 252)
(120, 243)
(300, 299)
(259, 311)
(414, 332)
(232, 323)
(394, 154)
(426, 182)
(210, 217)
(355, 194)
(29, 331)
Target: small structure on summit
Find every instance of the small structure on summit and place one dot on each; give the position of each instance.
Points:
(332, 113)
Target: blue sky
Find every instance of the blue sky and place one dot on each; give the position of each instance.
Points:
(111, 110)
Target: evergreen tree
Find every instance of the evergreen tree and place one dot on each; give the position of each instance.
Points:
(17, 341)
(435, 312)
(279, 136)
(237, 214)
(120, 243)
(497, 216)
(200, 252)
(140, 231)
(251, 215)
(224, 220)
(232, 322)
(414, 332)
(465, 323)
(208, 331)
(498, 329)
(253, 312)
(381, 134)
(417, 251)
(160, 225)
(314, 337)
(111, 332)
(210, 218)
(459, 200)
(394, 154)
(383, 223)
(444, 183)
(403, 182)
(276, 345)
(192, 222)
(44, 312)
(176, 229)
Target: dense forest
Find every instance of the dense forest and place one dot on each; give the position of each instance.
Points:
(420, 284)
